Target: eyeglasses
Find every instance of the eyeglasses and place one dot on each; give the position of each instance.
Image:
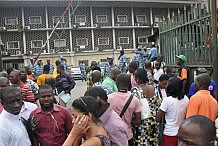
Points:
(56, 128)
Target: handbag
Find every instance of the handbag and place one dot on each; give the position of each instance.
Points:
(145, 113)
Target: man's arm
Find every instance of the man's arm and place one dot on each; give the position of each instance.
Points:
(68, 120)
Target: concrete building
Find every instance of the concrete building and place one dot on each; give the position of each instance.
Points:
(91, 30)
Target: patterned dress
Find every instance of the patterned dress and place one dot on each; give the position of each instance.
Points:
(105, 141)
(147, 133)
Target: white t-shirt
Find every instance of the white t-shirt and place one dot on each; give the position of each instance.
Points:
(158, 73)
(175, 111)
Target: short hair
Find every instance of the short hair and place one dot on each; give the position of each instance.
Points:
(17, 72)
(4, 74)
(9, 90)
(50, 81)
(164, 77)
(123, 79)
(24, 69)
(141, 74)
(133, 65)
(147, 64)
(46, 68)
(9, 70)
(45, 87)
(96, 76)
(206, 126)
(204, 79)
(60, 66)
(97, 92)
(88, 104)
(174, 88)
(4, 80)
(57, 62)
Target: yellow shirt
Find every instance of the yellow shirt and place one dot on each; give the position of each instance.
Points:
(41, 78)
(55, 73)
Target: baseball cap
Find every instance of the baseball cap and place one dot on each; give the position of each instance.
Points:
(182, 57)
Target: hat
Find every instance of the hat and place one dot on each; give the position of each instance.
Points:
(110, 57)
(181, 57)
(31, 58)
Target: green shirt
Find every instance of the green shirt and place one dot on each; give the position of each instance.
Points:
(109, 82)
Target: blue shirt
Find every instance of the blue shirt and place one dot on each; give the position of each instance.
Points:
(212, 88)
(139, 57)
(153, 53)
(107, 69)
(64, 63)
(38, 69)
(51, 69)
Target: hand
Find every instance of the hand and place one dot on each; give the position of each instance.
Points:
(67, 91)
(80, 126)
(33, 122)
(63, 79)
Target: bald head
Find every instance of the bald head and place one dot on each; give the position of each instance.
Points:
(96, 76)
(203, 81)
(15, 76)
(114, 73)
(197, 130)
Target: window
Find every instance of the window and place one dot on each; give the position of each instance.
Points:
(82, 42)
(141, 18)
(103, 41)
(11, 20)
(36, 44)
(142, 40)
(101, 19)
(59, 43)
(13, 45)
(56, 19)
(35, 20)
(158, 18)
(124, 40)
(122, 18)
(80, 19)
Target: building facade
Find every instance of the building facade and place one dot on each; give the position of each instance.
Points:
(90, 30)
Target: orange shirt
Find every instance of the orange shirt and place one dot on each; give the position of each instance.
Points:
(30, 78)
(202, 103)
(41, 78)
(184, 74)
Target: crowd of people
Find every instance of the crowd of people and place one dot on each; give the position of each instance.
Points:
(142, 104)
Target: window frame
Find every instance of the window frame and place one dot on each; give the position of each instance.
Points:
(137, 16)
(63, 20)
(103, 21)
(122, 21)
(13, 42)
(35, 41)
(40, 18)
(80, 15)
(141, 42)
(55, 46)
(11, 17)
(81, 45)
(104, 44)
(123, 43)
(159, 16)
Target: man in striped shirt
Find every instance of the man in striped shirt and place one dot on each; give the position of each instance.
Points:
(26, 90)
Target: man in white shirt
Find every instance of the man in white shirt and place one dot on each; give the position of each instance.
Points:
(13, 131)
(26, 109)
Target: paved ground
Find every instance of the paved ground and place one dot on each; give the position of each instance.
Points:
(78, 91)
